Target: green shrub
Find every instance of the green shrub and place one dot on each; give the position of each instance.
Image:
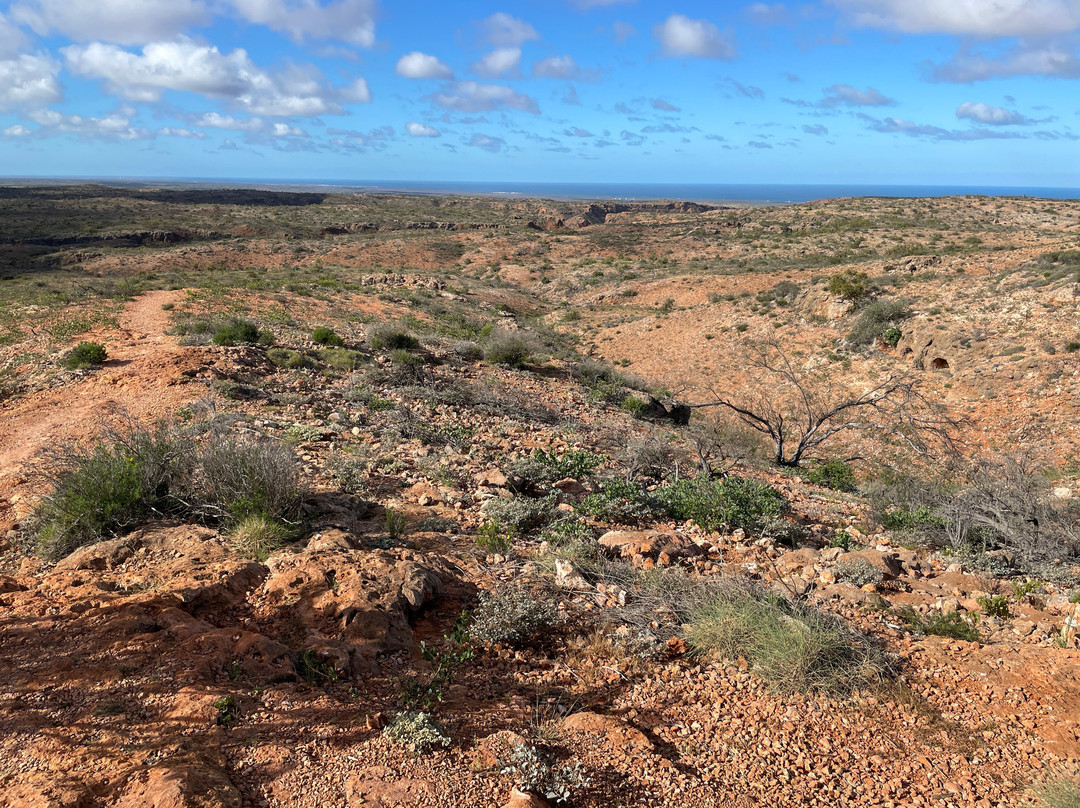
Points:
(417, 732)
(521, 516)
(512, 615)
(1072, 346)
(994, 606)
(735, 502)
(234, 478)
(834, 474)
(389, 337)
(794, 646)
(340, 359)
(257, 536)
(576, 463)
(619, 501)
(84, 355)
(859, 571)
(953, 625)
(104, 490)
(237, 331)
(534, 772)
(634, 405)
(1058, 792)
(492, 538)
(850, 285)
(879, 319)
(326, 336)
(284, 358)
(507, 350)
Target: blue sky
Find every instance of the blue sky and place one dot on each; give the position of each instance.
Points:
(972, 92)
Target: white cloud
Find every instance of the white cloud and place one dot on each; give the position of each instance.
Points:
(351, 140)
(967, 67)
(285, 130)
(18, 130)
(622, 31)
(681, 36)
(487, 142)
(128, 22)
(187, 66)
(844, 95)
(215, 120)
(12, 39)
(417, 65)
(417, 129)
(766, 14)
(344, 20)
(471, 96)
(563, 67)
(992, 116)
(114, 126)
(499, 62)
(28, 80)
(190, 134)
(502, 30)
(991, 18)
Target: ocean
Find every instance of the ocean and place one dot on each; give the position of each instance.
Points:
(689, 192)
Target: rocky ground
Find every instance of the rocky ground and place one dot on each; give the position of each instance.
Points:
(167, 667)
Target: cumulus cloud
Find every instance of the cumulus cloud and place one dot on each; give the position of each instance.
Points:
(28, 80)
(663, 106)
(17, 130)
(121, 21)
(487, 142)
(966, 67)
(189, 134)
(992, 116)
(471, 96)
(215, 120)
(377, 139)
(417, 129)
(987, 18)
(575, 131)
(12, 39)
(186, 66)
(563, 67)
(844, 95)
(350, 21)
(899, 126)
(499, 62)
(504, 31)
(680, 36)
(417, 65)
(115, 126)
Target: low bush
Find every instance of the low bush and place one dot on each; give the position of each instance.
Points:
(237, 331)
(619, 501)
(1058, 792)
(284, 358)
(735, 502)
(417, 732)
(85, 355)
(535, 772)
(234, 478)
(521, 516)
(834, 474)
(507, 350)
(326, 336)
(257, 536)
(390, 337)
(341, 359)
(850, 285)
(953, 625)
(859, 571)
(879, 319)
(794, 646)
(576, 463)
(512, 615)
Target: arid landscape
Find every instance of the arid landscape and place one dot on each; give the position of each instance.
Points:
(323, 500)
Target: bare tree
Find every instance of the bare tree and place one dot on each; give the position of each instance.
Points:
(799, 410)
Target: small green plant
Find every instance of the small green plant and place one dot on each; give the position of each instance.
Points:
(1023, 589)
(521, 516)
(326, 336)
(619, 500)
(512, 615)
(859, 571)
(834, 474)
(737, 502)
(994, 606)
(228, 710)
(493, 538)
(892, 336)
(395, 525)
(576, 463)
(1072, 346)
(257, 536)
(534, 772)
(314, 670)
(1062, 791)
(507, 350)
(850, 285)
(237, 331)
(633, 405)
(417, 732)
(390, 337)
(842, 539)
(85, 355)
(954, 625)
(284, 358)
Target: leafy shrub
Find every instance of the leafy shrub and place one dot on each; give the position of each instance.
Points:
(850, 285)
(257, 536)
(1072, 346)
(512, 615)
(326, 336)
(859, 571)
(103, 490)
(576, 463)
(954, 625)
(618, 501)
(341, 359)
(737, 502)
(234, 478)
(84, 355)
(467, 351)
(834, 474)
(534, 772)
(634, 405)
(349, 472)
(521, 515)
(879, 319)
(237, 331)
(507, 350)
(390, 337)
(794, 646)
(492, 538)
(566, 533)
(284, 358)
(995, 606)
(417, 732)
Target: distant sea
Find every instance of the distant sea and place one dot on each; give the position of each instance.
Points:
(717, 193)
